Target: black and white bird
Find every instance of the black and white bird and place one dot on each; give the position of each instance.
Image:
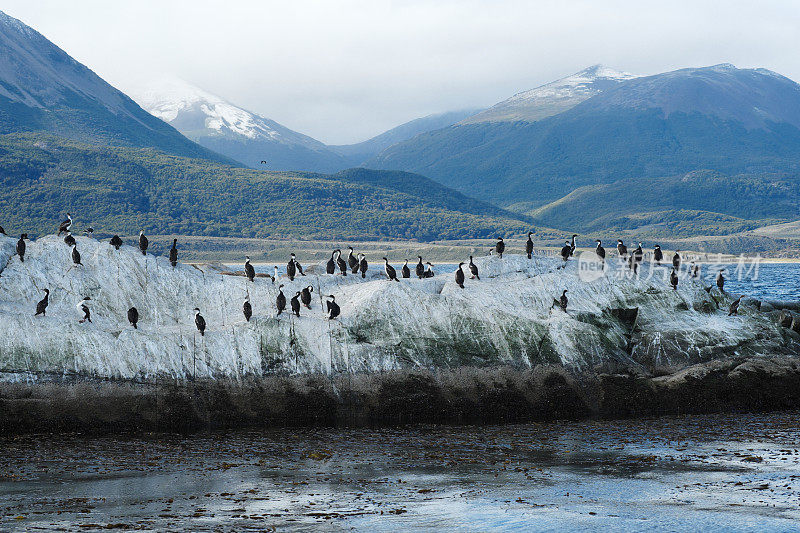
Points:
(291, 267)
(330, 266)
(694, 270)
(69, 240)
(460, 275)
(673, 279)
(420, 268)
(363, 266)
(572, 244)
(295, 303)
(41, 305)
(21, 246)
(280, 301)
(352, 260)
(676, 260)
(83, 307)
(65, 226)
(563, 301)
(247, 309)
(721, 281)
(333, 307)
(500, 247)
(115, 241)
(405, 272)
(391, 273)
(734, 308)
(600, 251)
(89, 232)
(566, 251)
(76, 256)
(143, 243)
(342, 264)
(299, 267)
(249, 271)
(133, 317)
(305, 296)
(473, 270)
(428, 271)
(199, 322)
(529, 245)
(173, 253)
(622, 250)
(274, 273)
(658, 255)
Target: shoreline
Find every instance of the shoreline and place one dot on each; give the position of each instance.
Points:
(460, 396)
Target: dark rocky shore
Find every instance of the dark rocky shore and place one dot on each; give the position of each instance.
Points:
(461, 396)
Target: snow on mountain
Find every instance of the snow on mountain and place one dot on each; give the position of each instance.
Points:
(505, 318)
(221, 126)
(554, 97)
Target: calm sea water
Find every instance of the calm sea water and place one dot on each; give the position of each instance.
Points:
(696, 473)
(771, 281)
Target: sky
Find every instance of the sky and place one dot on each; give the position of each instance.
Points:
(343, 71)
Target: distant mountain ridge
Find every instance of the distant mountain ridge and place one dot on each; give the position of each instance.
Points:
(720, 118)
(43, 89)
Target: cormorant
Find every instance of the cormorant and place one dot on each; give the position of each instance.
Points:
(173, 253)
(673, 279)
(2, 231)
(21, 247)
(566, 251)
(600, 251)
(115, 241)
(342, 264)
(622, 250)
(391, 273)
(529, 245)
(333, 307)
(143, 242)
(76, 256)
(89, 232)
(330, 266)
(460, 275)
(83, 306)
(280, 301)
(274, 273)
(295, 303)
(200, 322)
(428, 271)
(69, 240)
(405, 271)
(473, 269)
(500, 247)
(66, 225)
(41, 306)
(572, 244)
(362, 266)
(708, 290)
(291, 267)
(734, 308)
(694, 270)
(676, 260)
(305, 296)
(658, 255)
(638, 253)
(133, 317)
(562, 302)
(721, 281)
(352, 261)
(249, 271)
(299, 267)
(420, 269)
(247, 309)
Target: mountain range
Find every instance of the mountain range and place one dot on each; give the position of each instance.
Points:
(262, 143)
(697, 151)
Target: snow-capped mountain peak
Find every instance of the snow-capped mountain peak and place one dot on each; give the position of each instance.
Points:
(554, 97)
(178, 102)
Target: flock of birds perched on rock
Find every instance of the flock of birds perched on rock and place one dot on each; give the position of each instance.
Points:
(357, 264)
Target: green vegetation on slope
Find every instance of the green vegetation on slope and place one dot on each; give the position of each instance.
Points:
(120, 190)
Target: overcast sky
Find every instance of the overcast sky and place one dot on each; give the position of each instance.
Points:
(342, 71)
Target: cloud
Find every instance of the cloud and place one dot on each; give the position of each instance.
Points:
(343, 71)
